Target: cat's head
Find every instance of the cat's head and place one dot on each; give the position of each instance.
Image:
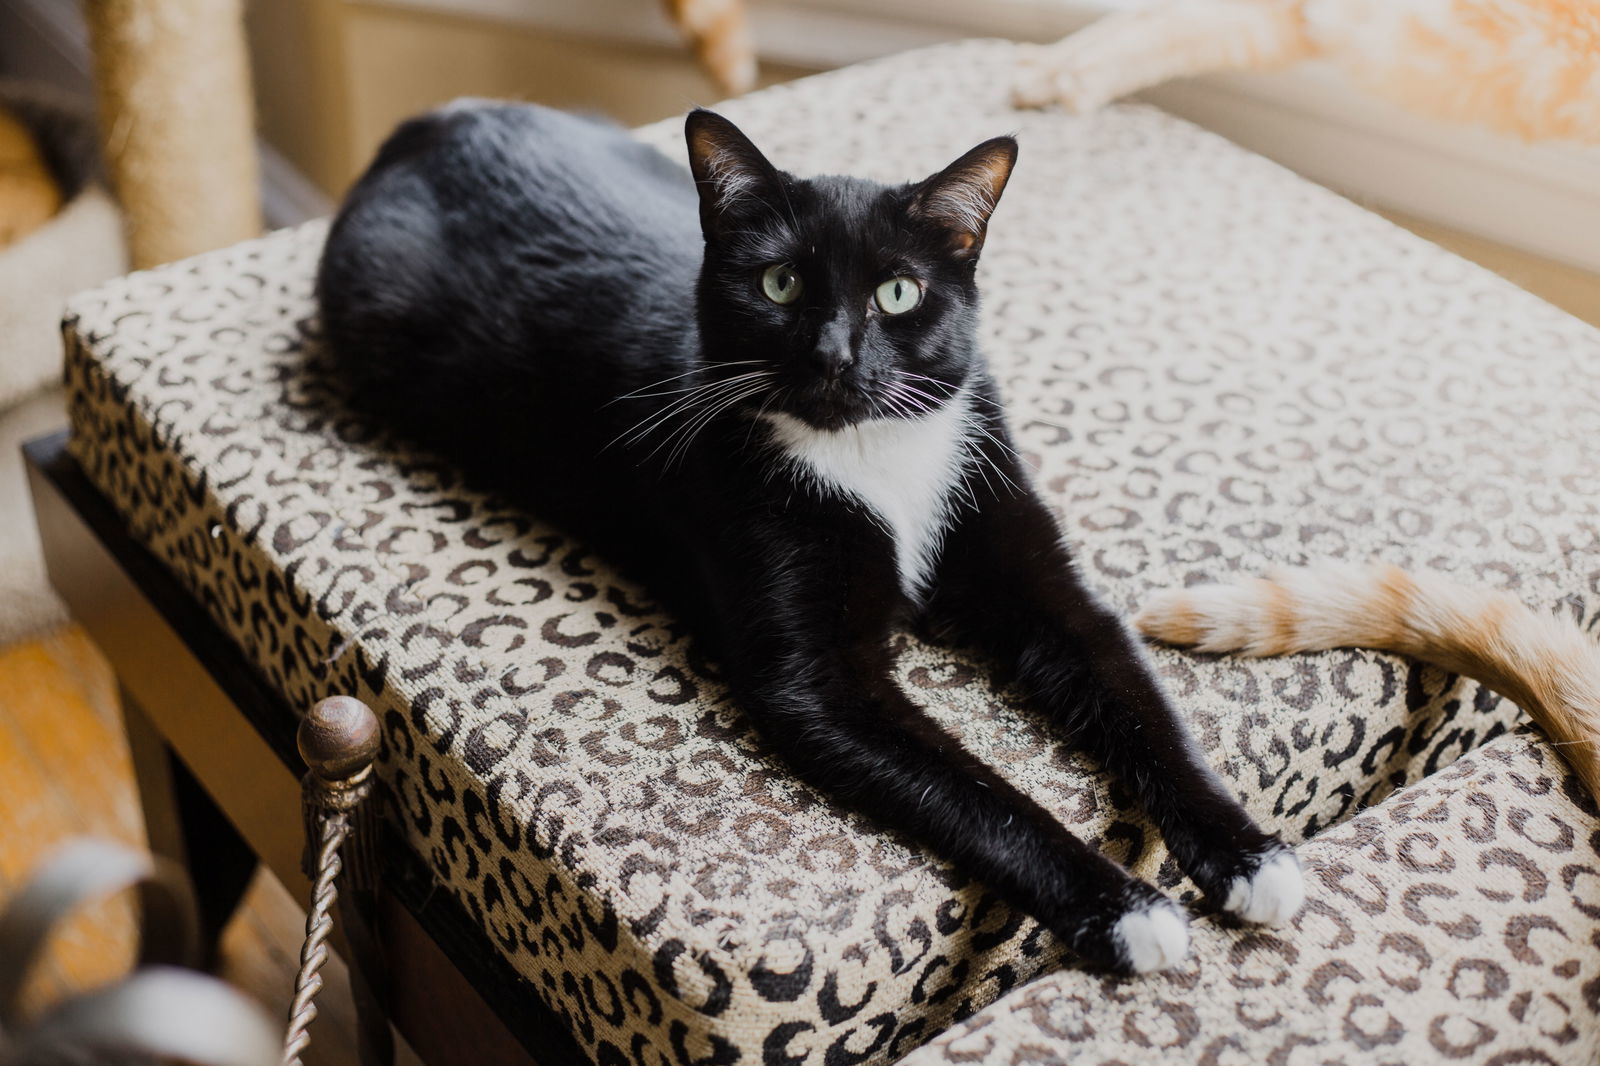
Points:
(845, 299)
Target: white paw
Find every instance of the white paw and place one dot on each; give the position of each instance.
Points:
(1270, 896)
(1033, 84)
(1041, 86)
(1155, 938)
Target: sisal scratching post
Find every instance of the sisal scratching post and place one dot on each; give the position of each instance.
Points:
(177, 123)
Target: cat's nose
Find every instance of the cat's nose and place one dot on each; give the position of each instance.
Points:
(834, 352)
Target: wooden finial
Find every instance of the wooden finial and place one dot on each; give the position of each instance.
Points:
(339, 738)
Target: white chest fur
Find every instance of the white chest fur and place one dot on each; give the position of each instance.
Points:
(906, 471)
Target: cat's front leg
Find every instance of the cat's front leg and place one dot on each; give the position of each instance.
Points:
(847, 729)
(1007, 583)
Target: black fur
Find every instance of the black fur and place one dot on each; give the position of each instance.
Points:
(523, 291)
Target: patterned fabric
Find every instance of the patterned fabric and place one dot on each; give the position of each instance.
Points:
(1212, 365)
(1457, 921)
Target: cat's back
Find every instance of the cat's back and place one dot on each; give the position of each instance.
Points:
(484, 175)
(489, 237)
(485, 163)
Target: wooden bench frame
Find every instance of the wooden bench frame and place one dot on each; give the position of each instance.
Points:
(219, 780)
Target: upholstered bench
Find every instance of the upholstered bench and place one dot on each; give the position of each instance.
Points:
(1212, 365)
(1459, 920)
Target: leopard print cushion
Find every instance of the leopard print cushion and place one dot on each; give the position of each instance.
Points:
(1211, 364)
(1458, 921)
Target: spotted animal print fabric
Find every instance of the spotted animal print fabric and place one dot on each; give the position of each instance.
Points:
(1457, 921)
(1211, 364)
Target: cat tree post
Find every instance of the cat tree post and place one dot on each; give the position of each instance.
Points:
(719, 33)
(177, 124)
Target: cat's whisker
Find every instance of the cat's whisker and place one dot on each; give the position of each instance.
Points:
(998, 441)
(999, 407)
(979, 465)
(711, 385)
(950, 389)
(693, 430)
(703, 385)
(966, 487)
(1016, 416)
(929, 397)
(689, 429)
(652, 421)
(663, 392)
(930, 400)
(925, 403)
(701, 394)
(915, 402)
(985, 459)
(730, 384)
(983, 462)
(898, 411)
(644, 390)
(976, 423)
(907, 402)
(897, 407)
(693, 393)
(707, 407)
(756, 421)
(972, 420)
(896, 403)
(912, 374)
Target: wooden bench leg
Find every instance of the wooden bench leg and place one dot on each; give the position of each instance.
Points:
(183, 824)
(369, 984)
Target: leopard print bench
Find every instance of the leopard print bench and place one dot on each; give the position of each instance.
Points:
(1211, 364)
(1457, 921)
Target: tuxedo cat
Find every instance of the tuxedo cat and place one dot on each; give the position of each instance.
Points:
(763, 395)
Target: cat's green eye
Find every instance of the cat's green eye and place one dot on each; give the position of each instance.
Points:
(780, 284)
(898, 295)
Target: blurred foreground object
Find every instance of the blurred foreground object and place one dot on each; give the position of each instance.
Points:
(719, 33)
(177, 123)
(1525, 67)
(29, 195)
(159, 1011)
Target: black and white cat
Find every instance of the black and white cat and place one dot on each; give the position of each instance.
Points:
(763, 395)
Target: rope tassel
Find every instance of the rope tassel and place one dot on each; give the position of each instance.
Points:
(338, 740)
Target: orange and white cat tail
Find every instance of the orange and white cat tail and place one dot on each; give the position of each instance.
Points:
(1545, 664)
(1131, 50)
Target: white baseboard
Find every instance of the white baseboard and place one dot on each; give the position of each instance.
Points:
(1542, 199)
(805, 33)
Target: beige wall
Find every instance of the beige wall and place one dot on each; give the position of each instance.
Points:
(334, 76)
(297, 55)
(328, 106)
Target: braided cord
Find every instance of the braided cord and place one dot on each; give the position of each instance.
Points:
(334, 828)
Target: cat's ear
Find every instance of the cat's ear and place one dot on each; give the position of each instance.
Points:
(960, 198)
(733, 177)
